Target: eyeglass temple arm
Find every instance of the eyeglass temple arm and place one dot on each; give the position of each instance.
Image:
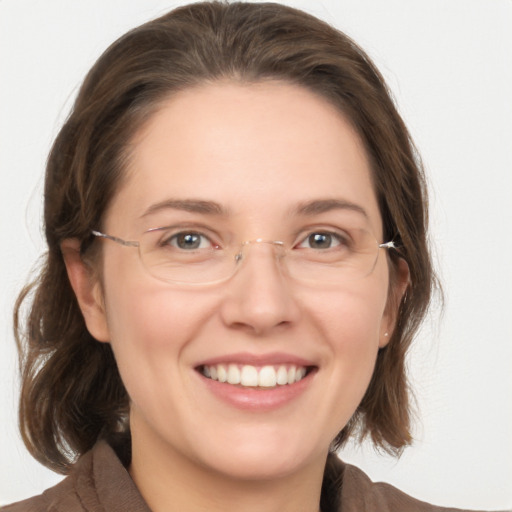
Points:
(388, 245)
(115, 239)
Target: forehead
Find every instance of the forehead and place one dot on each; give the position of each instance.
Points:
(256, 149)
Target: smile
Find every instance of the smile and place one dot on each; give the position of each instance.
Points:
(267, 376)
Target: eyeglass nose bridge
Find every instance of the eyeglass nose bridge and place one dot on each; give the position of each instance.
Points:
(240, 254)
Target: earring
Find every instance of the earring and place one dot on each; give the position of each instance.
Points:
(386, 334)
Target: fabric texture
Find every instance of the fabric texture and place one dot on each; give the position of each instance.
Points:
(99, 482)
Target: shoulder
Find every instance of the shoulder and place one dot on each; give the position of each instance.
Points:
(62, 497)
(98, 481)
(359, 494)
(363, 494)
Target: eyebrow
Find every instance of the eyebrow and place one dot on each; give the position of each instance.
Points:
(314, 207)
(318, 206)
(187, 205)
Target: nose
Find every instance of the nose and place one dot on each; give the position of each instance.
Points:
(258, 297)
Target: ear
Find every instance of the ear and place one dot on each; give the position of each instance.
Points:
(398, 286)
(87, 288)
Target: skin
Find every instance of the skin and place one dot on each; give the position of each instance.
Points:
(259, 151)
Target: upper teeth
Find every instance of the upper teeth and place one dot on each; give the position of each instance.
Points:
(252, 376)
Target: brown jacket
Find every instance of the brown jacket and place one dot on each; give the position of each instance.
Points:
(100, 483)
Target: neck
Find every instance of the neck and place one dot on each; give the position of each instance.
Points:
(171, 482)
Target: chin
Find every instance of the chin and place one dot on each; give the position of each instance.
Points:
(263, 457)
(259, 467)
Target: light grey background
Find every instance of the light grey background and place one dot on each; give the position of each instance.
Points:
(449, 65)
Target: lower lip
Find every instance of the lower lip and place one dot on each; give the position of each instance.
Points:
(257, 399)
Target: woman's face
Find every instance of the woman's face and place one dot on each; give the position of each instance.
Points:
(242, 162)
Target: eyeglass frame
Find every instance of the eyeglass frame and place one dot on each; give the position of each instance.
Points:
(238, 255)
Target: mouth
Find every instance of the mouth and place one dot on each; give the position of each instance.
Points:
(255, 377)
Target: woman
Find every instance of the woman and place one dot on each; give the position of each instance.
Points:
(237, 264)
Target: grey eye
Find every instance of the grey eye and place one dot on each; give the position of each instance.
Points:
(189, 241)
(320, 240)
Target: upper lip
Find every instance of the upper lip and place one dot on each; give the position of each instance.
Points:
(245, 358)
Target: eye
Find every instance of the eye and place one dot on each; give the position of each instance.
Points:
(321, 240)
(188, 241)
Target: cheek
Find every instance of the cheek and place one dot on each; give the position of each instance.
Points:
(144, 313)
(350, 323)
(153, 318)
(351, 318)
(150, 327)
(353, 334)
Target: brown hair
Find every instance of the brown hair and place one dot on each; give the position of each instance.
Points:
(72, 393)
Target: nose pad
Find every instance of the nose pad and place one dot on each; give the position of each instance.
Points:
(258, 297)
